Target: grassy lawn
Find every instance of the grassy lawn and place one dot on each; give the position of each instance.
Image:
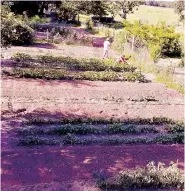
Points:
(150, 15)
(153, 15)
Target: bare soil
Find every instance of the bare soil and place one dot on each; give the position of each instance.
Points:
(90, 99)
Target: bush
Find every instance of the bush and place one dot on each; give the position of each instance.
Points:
(14, 32)
(149, 177)
(161, 39)
(37, 19)
(23, 34)
(89, 24)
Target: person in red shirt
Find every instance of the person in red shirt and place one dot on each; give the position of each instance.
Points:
(123, 59)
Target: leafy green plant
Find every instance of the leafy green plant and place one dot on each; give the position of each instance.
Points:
(13, 31)
(21, 57)
(175, 128)
(84, 129)
(161, 39)
(56, 74)
(141, 121)
(70, 138)
(92, 64)
(151, 176)
(89, 24)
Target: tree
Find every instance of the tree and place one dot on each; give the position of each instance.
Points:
(179, 9)
(94, 7)
(70, 9)
(32, 8)
(127, 6)
(112, 7)
(6, 27)
(13, 31)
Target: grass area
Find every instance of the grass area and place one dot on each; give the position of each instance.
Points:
(167, 80)
(149, 14)
(153, 15)
(164, 75)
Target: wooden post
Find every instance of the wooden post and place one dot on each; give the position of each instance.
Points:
(133, 39)
(47, 35)
(125, 45)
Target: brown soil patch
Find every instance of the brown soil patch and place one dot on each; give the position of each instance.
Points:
(47, 164)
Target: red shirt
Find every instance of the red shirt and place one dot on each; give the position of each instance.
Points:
(122, 59)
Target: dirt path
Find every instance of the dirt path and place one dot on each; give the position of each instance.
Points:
(71, 51)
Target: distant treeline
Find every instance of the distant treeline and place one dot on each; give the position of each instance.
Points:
(160, 4)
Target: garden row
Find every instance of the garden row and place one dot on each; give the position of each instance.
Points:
(66, 68)
(83, 64)
(44, 132)
(56, 74)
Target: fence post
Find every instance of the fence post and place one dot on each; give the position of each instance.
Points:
(47, 35)
(133, 39)
(125, 45)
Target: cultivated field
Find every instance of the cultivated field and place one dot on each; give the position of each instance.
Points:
(71, 121)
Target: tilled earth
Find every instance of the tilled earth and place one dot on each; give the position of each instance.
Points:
(91, 99)
(35, 168)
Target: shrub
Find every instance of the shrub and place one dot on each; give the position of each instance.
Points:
(89, 24)
(14, 32)
(160, 39)
(23, 34)
(149, 177)
(37, 19)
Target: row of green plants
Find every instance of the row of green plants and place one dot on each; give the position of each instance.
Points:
(149, 177)
(161, 39)
(59, 74)
(91, 64)
(85, 129)
(71, 139)
(117, 128)
(83, 120)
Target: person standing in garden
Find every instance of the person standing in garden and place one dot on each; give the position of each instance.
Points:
(106, 48)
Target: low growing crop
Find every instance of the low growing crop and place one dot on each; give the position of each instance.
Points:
(56, 74)
(79, 120)
(71, 139)
(82, 64)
